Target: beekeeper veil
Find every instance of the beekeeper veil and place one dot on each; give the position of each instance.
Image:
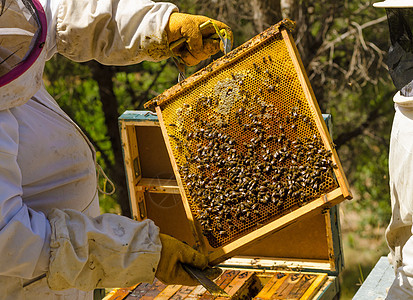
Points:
(400, 58)
(22, 37)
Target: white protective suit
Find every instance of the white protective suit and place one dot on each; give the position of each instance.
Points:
(399, 232)
(48, 184)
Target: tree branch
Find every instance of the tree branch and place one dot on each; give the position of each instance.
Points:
(348, 136)
(328, 44)
(103, 75)
(143, 97)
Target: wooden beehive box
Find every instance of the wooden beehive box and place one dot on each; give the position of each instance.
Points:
(248, 146)
(312, 244)
(253, 108)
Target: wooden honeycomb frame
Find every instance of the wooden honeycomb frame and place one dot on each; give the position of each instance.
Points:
(268, 66)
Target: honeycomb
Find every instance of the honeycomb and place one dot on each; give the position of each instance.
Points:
(246, 143)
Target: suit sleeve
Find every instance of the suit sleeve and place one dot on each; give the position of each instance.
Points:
(107, 251)
(117, 32)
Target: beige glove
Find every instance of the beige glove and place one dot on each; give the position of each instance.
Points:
(197, 47)
(173, 254)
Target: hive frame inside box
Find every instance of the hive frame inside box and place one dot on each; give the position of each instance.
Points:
(329, 199)
(241, 284)
(313, 244)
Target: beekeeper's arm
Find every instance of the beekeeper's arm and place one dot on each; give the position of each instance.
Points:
(123, 32)
(114, 251)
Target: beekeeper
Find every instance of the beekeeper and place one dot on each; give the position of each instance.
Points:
(399, 232)
(53, 244)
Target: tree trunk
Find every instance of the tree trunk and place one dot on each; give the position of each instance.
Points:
(266, 13)
(103, 75)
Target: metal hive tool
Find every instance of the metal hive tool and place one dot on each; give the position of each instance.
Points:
(248, 143)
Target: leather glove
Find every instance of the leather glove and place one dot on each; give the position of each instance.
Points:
(173, 254)
(197, 47)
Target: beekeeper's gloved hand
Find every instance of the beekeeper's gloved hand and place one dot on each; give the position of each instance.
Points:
(174, 253)
(197, 46)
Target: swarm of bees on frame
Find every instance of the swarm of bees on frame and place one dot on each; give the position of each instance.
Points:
(245, 157)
